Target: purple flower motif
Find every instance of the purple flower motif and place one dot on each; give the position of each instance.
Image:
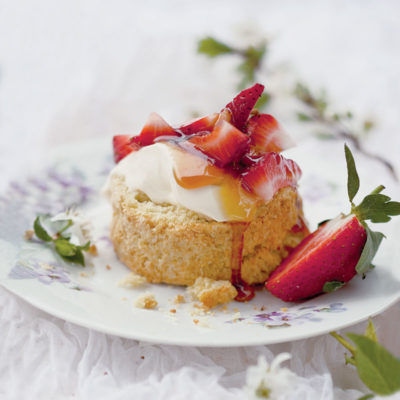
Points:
(295, 316)
(44, 272)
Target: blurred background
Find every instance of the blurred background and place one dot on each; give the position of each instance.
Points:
(75, 70)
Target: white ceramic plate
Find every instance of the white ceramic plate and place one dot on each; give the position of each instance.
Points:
(91, 297)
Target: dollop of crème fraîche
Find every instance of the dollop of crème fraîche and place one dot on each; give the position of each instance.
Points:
(151, 171)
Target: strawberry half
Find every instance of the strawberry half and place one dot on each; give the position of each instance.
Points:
(267, 135)
(223, 145)
(270, 173)
(122, 146)
(204, 124)
(243, 103)
(338, 249)
(330, 254)
(154, 128)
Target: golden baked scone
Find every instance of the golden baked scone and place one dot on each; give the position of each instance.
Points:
(171, 244)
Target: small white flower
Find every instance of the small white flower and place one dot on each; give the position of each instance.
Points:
(79, 231)
(264, 381)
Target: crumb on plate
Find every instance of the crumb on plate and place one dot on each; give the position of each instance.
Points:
(179, 299)
(28, 235)
(132, 281)
(146, 301)
(211, 292)
(93, 250)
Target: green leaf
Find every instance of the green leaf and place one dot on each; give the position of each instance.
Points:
(377, 208)
(262, 101)
(346, 344)
(85, 247)
(212, 47)
(332, 286)
(376, 366)
(353, 181)
(367, 397)
(40, 232)
(370, 332)
(65, 248)
(323, 222)
(77, 258)
(303, 117)
(371, 246)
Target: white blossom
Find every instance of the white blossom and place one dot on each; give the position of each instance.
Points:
(79, 231)
(264, 381)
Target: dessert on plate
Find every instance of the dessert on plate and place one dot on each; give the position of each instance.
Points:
(212, 198)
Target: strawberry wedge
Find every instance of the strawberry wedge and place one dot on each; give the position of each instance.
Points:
(243, 103)
(122, 146)
(204, 124)
(155, 128)
(267, 135)
(330, 254)
(338, 250)
(270, 173)
(223, 145)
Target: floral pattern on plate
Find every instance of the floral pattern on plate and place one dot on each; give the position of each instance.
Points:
(291, 316)
(45, 272)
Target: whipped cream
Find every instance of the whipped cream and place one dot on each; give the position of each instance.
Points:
(151, 170)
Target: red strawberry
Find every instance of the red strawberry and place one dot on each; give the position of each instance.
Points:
(243, 103)
(270, 173)
(123, 145)
(267, 135)
(204, 124)
(330, 254)
(155, 128)
(223, 145)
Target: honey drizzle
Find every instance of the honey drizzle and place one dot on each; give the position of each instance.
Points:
(245, 291)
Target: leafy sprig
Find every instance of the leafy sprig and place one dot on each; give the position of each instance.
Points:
(376, 366)
(336, 123)
(251, 59)
(375, 207)
(61, 240)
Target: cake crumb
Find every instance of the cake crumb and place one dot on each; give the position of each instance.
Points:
(179, 299)
(284, 309)
(196, 321)
(236, 310)
(146, 301)
(262, 308)
(93, 250)
(142, 357)
(173, 311)
(132, 281)
(28, 235)
(83, 274)
(211, 292)
(108, 267)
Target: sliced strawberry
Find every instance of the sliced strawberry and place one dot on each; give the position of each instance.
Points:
(155, 128)
(330, 254)
(270, 173)
(204, 124)
(122, 146)
(243, 103)
(267, 135)
(223, 145)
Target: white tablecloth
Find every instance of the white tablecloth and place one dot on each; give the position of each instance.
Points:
(76, 69)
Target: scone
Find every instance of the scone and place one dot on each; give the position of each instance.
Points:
(212, 198)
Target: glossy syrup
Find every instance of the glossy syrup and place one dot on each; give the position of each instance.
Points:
(192, 171)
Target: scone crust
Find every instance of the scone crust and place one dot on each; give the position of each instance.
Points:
(174, 245)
